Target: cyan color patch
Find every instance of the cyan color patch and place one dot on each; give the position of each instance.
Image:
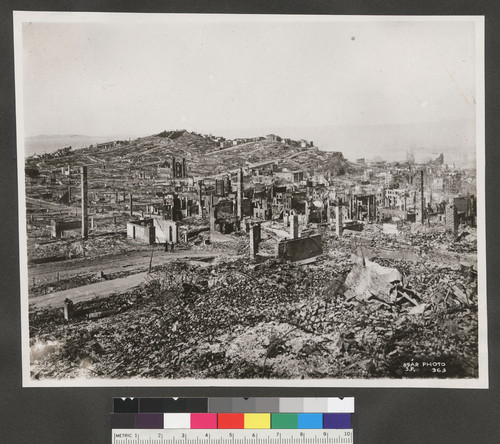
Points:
(310, 420)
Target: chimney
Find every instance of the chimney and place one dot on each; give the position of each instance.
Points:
(338, 218)
(85, 221)
(200, 201)
(254, 240)
(422, 203)
(239, 197)
(213, 216)
(294, 226)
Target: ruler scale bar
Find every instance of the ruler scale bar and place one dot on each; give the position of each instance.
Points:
(232, 436)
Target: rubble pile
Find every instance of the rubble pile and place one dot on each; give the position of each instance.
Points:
(434, 244)
(38, 231)
(73, 248)
(268, 319)
(442, 285)
(231, 243)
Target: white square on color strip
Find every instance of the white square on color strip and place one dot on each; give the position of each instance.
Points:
(337, 405)
(177, 420)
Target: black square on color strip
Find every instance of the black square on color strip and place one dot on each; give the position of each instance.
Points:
(171, 405)
(122, 421)
(127, 405)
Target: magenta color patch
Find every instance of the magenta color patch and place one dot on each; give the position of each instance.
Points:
(203, 420)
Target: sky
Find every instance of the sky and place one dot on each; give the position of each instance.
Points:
(242, 74)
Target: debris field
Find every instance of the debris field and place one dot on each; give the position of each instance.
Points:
(351, 313)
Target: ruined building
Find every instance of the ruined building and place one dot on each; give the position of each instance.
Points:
(175, 169)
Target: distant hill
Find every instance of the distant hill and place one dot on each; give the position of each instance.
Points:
(456, 139)
(204, 155)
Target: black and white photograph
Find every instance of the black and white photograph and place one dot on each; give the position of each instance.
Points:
(254, 200)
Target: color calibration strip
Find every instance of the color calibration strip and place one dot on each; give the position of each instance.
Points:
(232, 413)
(233, 405)
(231, 421)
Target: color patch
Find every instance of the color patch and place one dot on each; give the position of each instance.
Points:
(257, 421)
(203, 420)
(148, 421)
(284, 421)
(315, 405)
(220, 405)
(176, 420)
(336, 420)
(231, 421)
(267, 405)
(310, 420)
(243, 405)
(340, 405)
(173, 405)
(291, 405)
(122, 420)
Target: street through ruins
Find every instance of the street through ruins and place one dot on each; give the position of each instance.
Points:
(186, 255)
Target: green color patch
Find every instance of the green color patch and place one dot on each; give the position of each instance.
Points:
(284, 421)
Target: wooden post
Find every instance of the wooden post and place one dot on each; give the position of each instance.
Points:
(151, 259)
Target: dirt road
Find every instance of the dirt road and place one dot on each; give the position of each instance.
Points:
(137, 260)
(87, 292)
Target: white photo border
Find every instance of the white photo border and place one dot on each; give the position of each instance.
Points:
(482, 382)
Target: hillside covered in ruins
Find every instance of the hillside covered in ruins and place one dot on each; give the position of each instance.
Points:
(206, 155)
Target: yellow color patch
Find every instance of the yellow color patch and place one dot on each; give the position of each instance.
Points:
(257, 420)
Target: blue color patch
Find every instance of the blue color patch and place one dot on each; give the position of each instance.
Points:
(337, 421)
(310, 420)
